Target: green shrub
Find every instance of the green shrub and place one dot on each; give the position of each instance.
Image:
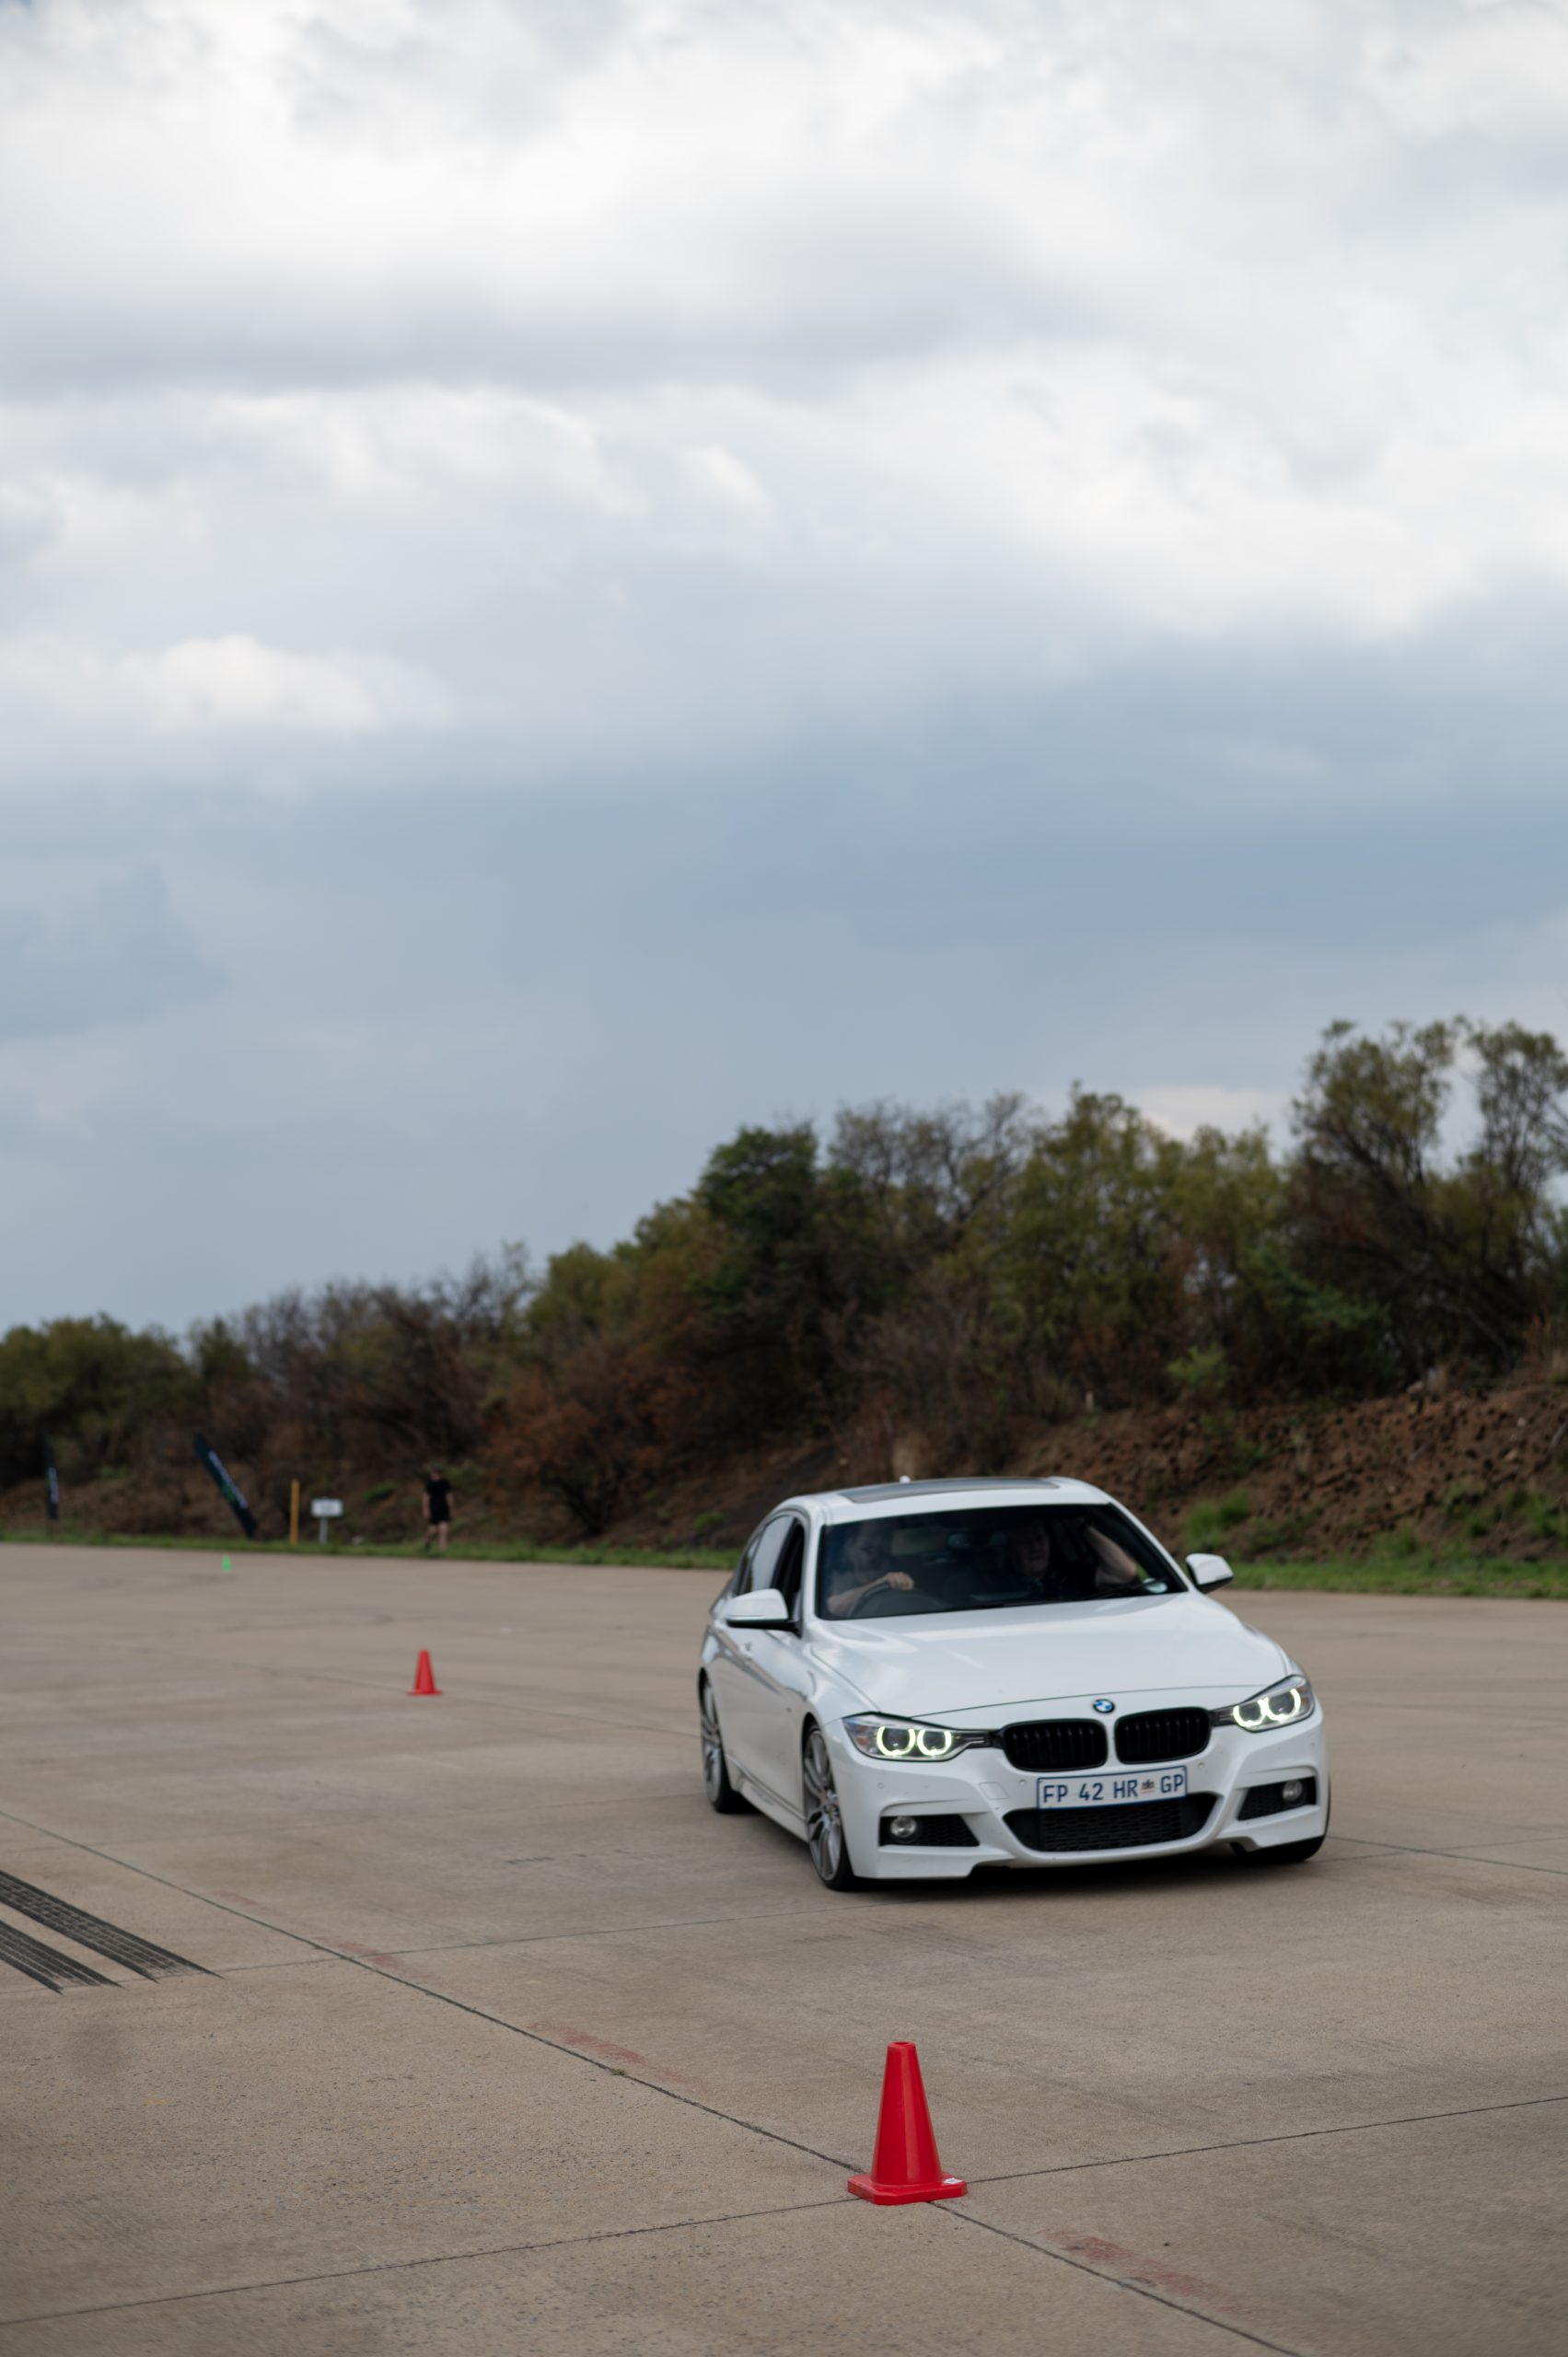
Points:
(1280, 1534)
(1232, 1448)
(1401, 1553)
(1211, 1518)
(1202, 1373)
(382, 1490)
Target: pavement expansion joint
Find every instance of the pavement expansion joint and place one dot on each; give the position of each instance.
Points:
(435, 2258)
(1142, 2291)
(609, 1931)
(1287, 2136)
(1459, 1857)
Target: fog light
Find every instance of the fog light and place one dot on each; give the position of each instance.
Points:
(903, 1829)
(1290, 1793)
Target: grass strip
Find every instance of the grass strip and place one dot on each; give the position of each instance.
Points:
(509, 1551)
(1411, 1575)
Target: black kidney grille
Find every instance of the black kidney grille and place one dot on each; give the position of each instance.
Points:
(1162, 1734)
(1137, 1826)
(1052, 1744)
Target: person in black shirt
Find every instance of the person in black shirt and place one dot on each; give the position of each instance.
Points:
(437, 1509)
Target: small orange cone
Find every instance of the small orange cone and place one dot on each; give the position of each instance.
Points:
(905, 2167)
(425, 1678)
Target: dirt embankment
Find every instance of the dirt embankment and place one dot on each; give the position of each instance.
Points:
(1443, 1468)
(1448, 1468)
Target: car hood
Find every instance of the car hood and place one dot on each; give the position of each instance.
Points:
(921, 1665)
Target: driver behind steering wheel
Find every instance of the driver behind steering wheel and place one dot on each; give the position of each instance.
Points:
(862, 1571)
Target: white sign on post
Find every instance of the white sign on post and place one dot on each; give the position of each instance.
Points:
(325, 1510)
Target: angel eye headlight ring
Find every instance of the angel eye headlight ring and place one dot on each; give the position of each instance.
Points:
(1280, 1706)
(908, 1740)
(934, 1743)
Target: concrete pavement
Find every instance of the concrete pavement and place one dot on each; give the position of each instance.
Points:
(501, 2041)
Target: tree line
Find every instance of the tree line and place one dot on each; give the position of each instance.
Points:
(963, 1273)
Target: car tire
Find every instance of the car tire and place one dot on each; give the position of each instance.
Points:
(722, 1795)
(1284, 1854)
(825, 1835)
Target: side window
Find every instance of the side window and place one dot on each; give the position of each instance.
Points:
(766, 1551)
(791, 1562)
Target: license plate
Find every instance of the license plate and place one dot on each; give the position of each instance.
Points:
(1109, 1792)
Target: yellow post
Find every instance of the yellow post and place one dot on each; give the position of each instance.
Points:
(293, 1514)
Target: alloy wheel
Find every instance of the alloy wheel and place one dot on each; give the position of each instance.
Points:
(722, 1795)
(714, 1774)
(824, 1818)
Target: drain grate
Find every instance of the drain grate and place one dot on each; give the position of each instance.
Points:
(89, 1932)
(46, 1964)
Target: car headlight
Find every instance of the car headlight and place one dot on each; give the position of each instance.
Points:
(1277, 1706)
(910, 1739)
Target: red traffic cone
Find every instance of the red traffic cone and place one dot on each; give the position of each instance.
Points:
(425, 1678)
(906, 2167)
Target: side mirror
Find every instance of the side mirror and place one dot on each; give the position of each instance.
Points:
(764, 1609)
(1209, 1571)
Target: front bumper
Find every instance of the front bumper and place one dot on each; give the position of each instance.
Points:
(983, 1789)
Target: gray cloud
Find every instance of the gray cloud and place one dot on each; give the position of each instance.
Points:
(118, 955)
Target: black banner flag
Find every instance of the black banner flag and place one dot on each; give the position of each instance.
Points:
(227, 1483)
(51, 1484)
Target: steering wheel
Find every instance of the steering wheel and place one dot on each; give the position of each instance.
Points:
(860, 1601)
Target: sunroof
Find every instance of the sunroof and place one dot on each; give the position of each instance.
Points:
(927, 1489)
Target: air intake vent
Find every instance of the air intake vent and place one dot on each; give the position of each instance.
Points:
(1139, 1826)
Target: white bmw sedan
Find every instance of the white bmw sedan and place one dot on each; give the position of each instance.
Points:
(934, 1675)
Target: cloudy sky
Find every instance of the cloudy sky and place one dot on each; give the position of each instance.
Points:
(574, 572)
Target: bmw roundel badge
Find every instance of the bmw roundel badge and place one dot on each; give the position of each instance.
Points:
(1104, 1708)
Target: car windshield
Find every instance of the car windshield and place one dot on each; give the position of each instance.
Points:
(985, 1559)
